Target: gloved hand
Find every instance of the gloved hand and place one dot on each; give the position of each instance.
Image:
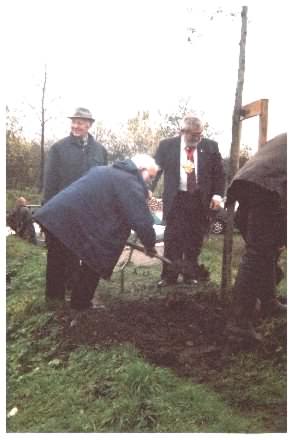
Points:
(150, 252)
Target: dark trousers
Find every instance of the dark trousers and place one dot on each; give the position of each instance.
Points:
(60, 261)
(185, 228)
(265, 233)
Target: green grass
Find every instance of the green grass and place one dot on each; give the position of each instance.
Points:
(116, 391)
(98, 389)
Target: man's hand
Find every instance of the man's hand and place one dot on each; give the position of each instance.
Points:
(216, 202)
(151, 252)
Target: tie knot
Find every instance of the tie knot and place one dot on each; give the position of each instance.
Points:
(190, 148)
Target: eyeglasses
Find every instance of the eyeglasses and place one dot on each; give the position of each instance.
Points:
(192, 133)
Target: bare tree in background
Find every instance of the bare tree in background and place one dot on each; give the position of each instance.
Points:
(43, 122)
(41, 112)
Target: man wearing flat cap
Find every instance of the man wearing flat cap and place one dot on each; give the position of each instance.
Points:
(71, 157)
(193, 183)
(68, 160)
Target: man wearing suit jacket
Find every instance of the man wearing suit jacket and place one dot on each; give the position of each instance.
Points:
(193, 183)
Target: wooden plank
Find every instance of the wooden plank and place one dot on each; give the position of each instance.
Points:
(252, 109)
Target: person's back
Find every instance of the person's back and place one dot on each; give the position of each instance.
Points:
(260, 188)
(91, 221)
(96, 213)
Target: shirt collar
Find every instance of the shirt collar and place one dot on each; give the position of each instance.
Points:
(183, 144)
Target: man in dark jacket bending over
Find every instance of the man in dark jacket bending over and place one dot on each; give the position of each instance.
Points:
(260, 187)
(92, 219)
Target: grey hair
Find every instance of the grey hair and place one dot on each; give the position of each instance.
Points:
(191, 120)
(145, 161)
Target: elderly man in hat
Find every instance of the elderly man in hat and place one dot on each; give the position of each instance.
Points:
(193, 183)
(68, 160)
(92, 219)
(72, 156)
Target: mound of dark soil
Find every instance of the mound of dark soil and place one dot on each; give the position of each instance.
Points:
(185, 333)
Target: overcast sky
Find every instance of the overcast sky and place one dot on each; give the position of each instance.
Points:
(118, 57)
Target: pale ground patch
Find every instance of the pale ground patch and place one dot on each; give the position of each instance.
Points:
(139, 258)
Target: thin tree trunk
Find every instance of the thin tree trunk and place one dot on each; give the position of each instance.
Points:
(234, 159)
(42, 161)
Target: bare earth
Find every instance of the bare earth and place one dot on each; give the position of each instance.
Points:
(139, 258)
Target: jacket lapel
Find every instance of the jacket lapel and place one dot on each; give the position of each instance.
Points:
(201, 157)
(176, 156)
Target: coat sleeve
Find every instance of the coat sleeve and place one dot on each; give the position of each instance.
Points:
(106, 161)
(52, 175)
(136, 210)
(103, 153)
(159, 158)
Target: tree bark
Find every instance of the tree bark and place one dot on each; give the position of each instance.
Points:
(42, 160)
(234, 159)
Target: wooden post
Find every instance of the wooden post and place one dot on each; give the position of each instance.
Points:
(263, 123)
(234, 159)
(258, 108)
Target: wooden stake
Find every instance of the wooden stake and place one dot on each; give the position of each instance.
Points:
(263, 123)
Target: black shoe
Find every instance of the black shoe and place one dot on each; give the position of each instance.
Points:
(165, 283)
(190, 282)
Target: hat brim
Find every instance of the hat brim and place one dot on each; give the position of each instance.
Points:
(81, 117)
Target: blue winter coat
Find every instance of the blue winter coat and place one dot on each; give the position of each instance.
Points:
(93, 216)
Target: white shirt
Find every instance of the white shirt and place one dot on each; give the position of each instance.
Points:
(183, 160)
(183, 174)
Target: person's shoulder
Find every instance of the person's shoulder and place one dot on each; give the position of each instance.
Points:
(60, 143)
(170, 141)
(210, 145)
(94, 142)
(210, 142)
